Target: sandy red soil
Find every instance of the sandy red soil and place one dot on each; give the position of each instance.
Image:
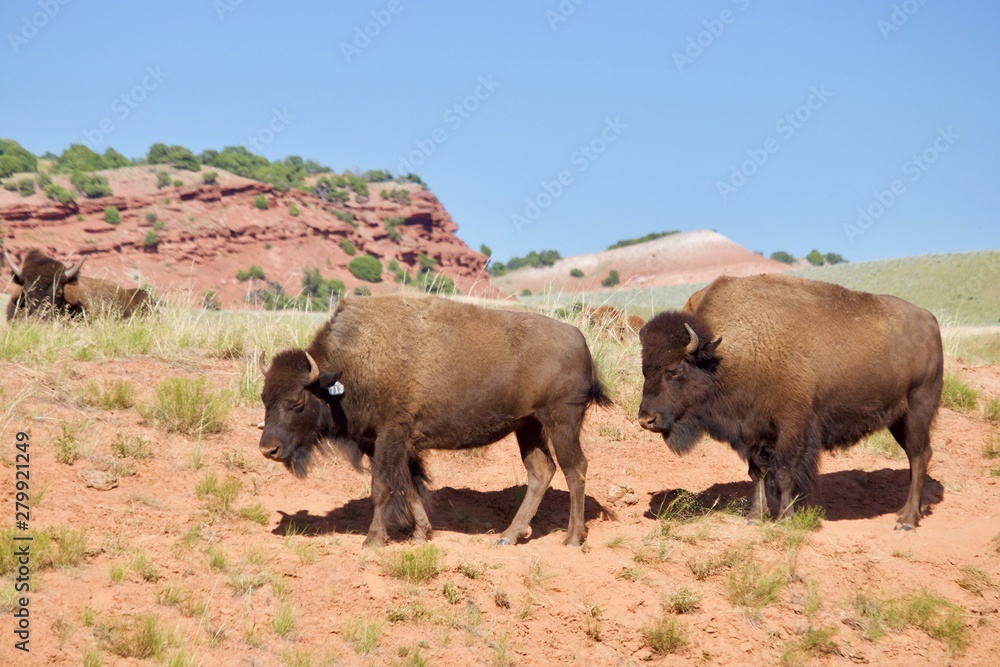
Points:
(546, 603)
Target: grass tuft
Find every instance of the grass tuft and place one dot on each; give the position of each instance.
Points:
(958, 395)
(665, 635)
(218, 497)
(117, 395)
(133, 637)
(683, 601)
(362, 634)
(414, 566)
(187, 406)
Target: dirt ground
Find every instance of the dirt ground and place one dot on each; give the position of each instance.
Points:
(536, 603)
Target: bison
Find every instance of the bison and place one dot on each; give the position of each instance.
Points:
(798, 366)
(46, 286)
(389, 377)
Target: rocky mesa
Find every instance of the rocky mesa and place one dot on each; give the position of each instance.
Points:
(191, 237)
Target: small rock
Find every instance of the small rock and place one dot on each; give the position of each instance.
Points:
(102, 480)
(630, 499)
(644, 656)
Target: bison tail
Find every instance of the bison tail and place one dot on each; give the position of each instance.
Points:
(598, 396)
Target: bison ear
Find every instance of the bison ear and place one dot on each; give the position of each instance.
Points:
(329, 383)
(706, 355)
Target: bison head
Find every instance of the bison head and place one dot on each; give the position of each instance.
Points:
(678, 366)
(301, 410)
(43, 281)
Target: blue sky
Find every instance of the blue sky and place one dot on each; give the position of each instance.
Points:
(555, 124)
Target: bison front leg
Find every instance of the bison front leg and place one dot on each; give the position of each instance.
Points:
(377, 534)
(394, 495)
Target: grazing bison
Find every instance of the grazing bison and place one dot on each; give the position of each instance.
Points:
(45, 285)
(389, 377)
(799, 366)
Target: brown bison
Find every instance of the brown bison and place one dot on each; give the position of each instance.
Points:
(614, 321)
(799, 366)
(389, 377)
(46, 286)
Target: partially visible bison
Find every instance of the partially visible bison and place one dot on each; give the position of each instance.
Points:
(389, 377)
(46, 286)
(782, 368)
(614, 321)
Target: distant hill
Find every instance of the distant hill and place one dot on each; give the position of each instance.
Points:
(675, 259)
(960, 288)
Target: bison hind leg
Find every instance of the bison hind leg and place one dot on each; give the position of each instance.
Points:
(532, 441)
(912, 432)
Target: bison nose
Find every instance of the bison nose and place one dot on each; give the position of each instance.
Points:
(270, 448)
(647, 420)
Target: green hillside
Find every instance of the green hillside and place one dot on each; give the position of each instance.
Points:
(961, 289)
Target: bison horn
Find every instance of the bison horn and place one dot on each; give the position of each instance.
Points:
(73, 270)
(13, 265)
(313, 369)
(262, 365)
(692, 345)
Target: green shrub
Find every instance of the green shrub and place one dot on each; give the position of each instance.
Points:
(255, 272)
(359, 185)
(435, 283)
(152, 240)
(162, 180)
(364, 290)
(178, 183)
(378, 176)
(10, 186)
(486, 250)
(366, 268)
(260, 201)
(348, 247)
(43, 179)
(112, 216)
(14, 158)
(59, 193)
(26, 187)
(346, 218)
(783, 257)
(643, 239)
(526, 292)
(210, 178)
(293, 211)
(398, 195)
(612, 279)
(210, 300)
(576, 273)
(151, 217)
(91, 186)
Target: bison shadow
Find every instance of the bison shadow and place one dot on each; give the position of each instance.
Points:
(457, 510)
(844, 495)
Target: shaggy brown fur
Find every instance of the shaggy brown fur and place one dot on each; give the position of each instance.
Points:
(801, 366)
(427, 373)
(45, 288)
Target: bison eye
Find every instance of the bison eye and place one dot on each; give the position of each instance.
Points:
(675, 374)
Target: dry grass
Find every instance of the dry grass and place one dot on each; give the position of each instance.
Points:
(665, 635)
(188, 406)
(414, 566)
(875, 615)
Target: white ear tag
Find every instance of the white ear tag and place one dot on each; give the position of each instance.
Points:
(336, 389)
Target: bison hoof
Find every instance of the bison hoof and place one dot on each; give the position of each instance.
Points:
(504, 542)
(903, 526)
(373, 542)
